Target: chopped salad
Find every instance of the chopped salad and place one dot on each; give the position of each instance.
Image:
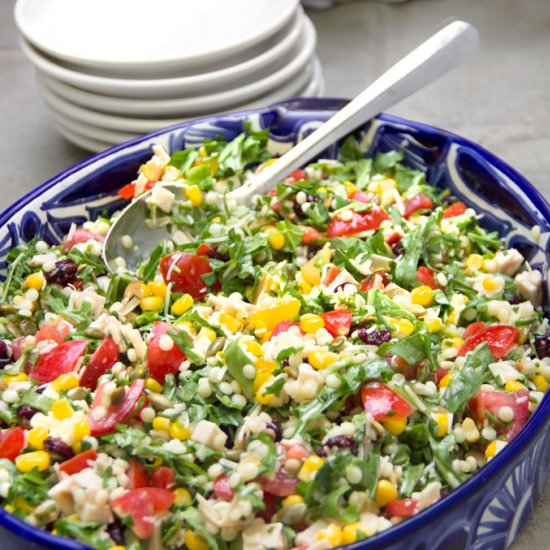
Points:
(310, 371)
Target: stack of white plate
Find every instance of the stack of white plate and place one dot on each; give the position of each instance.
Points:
(110, 70)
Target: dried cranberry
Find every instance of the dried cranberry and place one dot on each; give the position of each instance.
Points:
(374, 337)
(63, 273)
(275, 425)
(6, 355)
(313, 198)
(342, 442)
(397, 248)
(116, 532)
(542, 346)
(26, 411)
(215, 254)
(512, 298)
(297, 207)
(59, 447)
(312, 250)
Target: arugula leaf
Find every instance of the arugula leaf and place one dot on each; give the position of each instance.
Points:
(405, 271)
(268, 461)
(410, 349)
(236, 359)
(36, 401)
(384, 161)
(465, 382)
(410, 478)
(350, 151)
(89, 532)
(183, 160)
(31, 487)
(386, 307)
(185, 344)
(443, 460)
(150, 268)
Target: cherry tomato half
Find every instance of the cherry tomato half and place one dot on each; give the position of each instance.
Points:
(11, 443)
(383, 403)
(416, 203)
(78, 463)
(102, 360)
(455, 209)
(60, 360)
(501, 339)
(186, 274)
(337, 322)
(360, 221)
(161, 362)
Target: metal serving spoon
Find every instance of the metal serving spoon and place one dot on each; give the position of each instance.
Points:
(443, 51)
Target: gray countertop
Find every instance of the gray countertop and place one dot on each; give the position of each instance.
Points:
(500, 98)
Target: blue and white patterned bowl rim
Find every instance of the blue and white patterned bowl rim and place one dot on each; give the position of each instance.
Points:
(321, 109)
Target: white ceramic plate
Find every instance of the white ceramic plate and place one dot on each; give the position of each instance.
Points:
(130, 33)
(94, 138)
(167, 107)
(172, 87)
(140, 125)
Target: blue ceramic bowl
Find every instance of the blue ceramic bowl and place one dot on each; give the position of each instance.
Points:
(487, 511)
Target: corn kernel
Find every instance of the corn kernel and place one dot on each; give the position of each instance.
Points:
(254, 348)
(9, 508)
(540, 382)
(117, 547)
(277, 241)
(182, 304)
(513, 385)
(491, 449)
(21, 377)
(422, 295)
(36, 281)
(350, 188)
(152, 385)
(396, 424)
(65, 382)
(321, 358)
(194, 541)
(292, 500)
(474, 261)
(28, 461)
(182, 497)
(444, 382)
(179, 431)
(206, 332)
(161, 424)
(151, 170)
(264, 369)
(305, 288)
(194, 194)
(435, 325)
(402, 327)
(311, 323)
(349, 532)
(151, 303)
(311, 465)
(157, 288)
(386, 492)
(81, 429)
(62, 409)
(490, 284)
(442, 420)
(332, 534)
(37, 437)
(311, 273)
(471, 433)
(270, 317)
(262, 398)
(232, 324)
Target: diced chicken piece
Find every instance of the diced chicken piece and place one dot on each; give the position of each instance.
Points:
(89, 296)
(430, 494)
(529, 285)
(506, 262)
(260, 536)
(504, 370)
(209, 434)
(309, 539)
(162, 198)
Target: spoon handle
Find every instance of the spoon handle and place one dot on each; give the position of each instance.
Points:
(443, 51)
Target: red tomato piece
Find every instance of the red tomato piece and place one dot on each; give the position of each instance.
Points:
(359, 196)
(103, 422)
(102, 360)
(78, 463)
(222, 489)
(332, 273)
(416, 203)
(60, 360)
(310, 235)
(163, 477)
(137, 474)
(491, 401)
(282, 486)
(11, 443)
(473, 329)
(186, 274)
(426, 276)
(455, 209)
(402, 508)
(501, 339)
(203, 249)
(49, 332)
(337, 322)
(439, 374)
(129, 190)
(270, 502)
(282, 327)
(160, 362)
(383, 403)
(394, 238)
(297, 175)
(361, 221)
(142, 505)
(410, 372)
(80, 235)
(374, 281)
